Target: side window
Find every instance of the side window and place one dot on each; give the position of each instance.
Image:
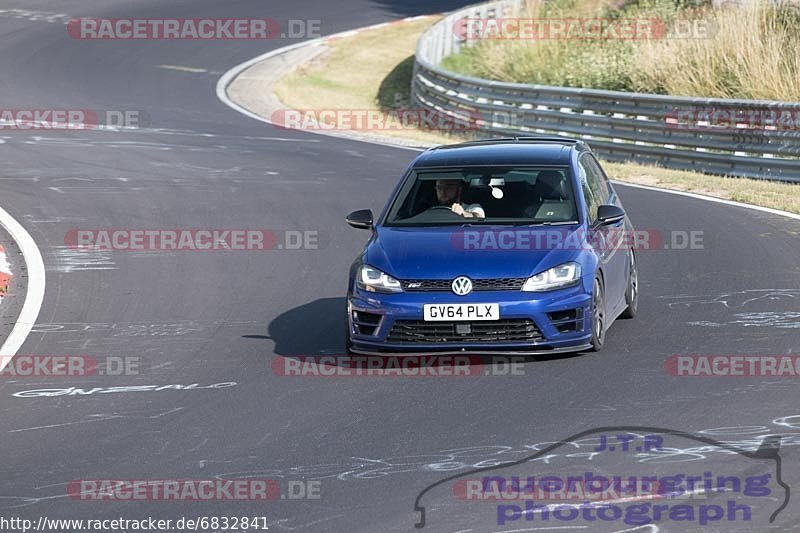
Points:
(588, 193)
(597, 180)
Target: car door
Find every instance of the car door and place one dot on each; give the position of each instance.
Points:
(607, 239)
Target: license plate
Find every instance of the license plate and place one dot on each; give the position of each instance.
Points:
(434, 312)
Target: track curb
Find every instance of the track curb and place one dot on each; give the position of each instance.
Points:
(5, 273)
(34, 294)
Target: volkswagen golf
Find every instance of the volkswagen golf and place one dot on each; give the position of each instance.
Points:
(503, 246)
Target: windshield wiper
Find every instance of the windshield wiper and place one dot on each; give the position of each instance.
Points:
(551, 223)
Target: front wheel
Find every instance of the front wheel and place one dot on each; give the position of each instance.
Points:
(632, 292)
(598, 316)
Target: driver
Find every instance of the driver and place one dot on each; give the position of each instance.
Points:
(448, 192)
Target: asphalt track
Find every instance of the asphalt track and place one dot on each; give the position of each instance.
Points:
(216, 317)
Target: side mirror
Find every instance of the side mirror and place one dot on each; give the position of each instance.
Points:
(361, 219)
(609, 214)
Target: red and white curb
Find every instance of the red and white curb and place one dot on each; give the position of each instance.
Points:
(350, 33)
(5, 273)
(34, 294)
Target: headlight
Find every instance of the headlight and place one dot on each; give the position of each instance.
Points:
(555, 278)
(373, 280)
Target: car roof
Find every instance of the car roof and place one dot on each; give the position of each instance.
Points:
(545, 151)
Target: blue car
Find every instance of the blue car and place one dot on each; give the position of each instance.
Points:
(503, 246)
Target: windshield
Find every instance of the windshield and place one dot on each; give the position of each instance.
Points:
(485, 195)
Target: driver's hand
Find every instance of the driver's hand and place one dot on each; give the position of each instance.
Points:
(457, 209)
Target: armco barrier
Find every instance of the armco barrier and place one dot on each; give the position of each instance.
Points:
(665, 130)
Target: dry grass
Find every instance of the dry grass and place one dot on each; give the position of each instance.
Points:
(371, 70)
(750, 52)
(754, 53)
(783, 196)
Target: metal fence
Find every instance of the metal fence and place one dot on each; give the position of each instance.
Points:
(758, 139)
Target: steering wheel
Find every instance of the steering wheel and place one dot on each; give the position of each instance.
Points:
(440, 207)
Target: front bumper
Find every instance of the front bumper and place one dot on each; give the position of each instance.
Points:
(478, 351)
(545, 310)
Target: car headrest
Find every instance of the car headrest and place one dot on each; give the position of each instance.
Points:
(550, 185)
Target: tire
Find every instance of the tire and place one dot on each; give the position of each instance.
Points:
(598, 315)
(632, 292)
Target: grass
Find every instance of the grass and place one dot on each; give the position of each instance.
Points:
(755, 54)
(783, 196)
(750, 52)
(372, 70)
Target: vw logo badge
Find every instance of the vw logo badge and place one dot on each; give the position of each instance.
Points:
(462, 285)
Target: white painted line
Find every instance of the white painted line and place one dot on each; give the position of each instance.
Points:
(712, 199)
(35, 294)
(545, 528)
(5, 268)
(230, 75)
(348, 33)
(182, 69)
